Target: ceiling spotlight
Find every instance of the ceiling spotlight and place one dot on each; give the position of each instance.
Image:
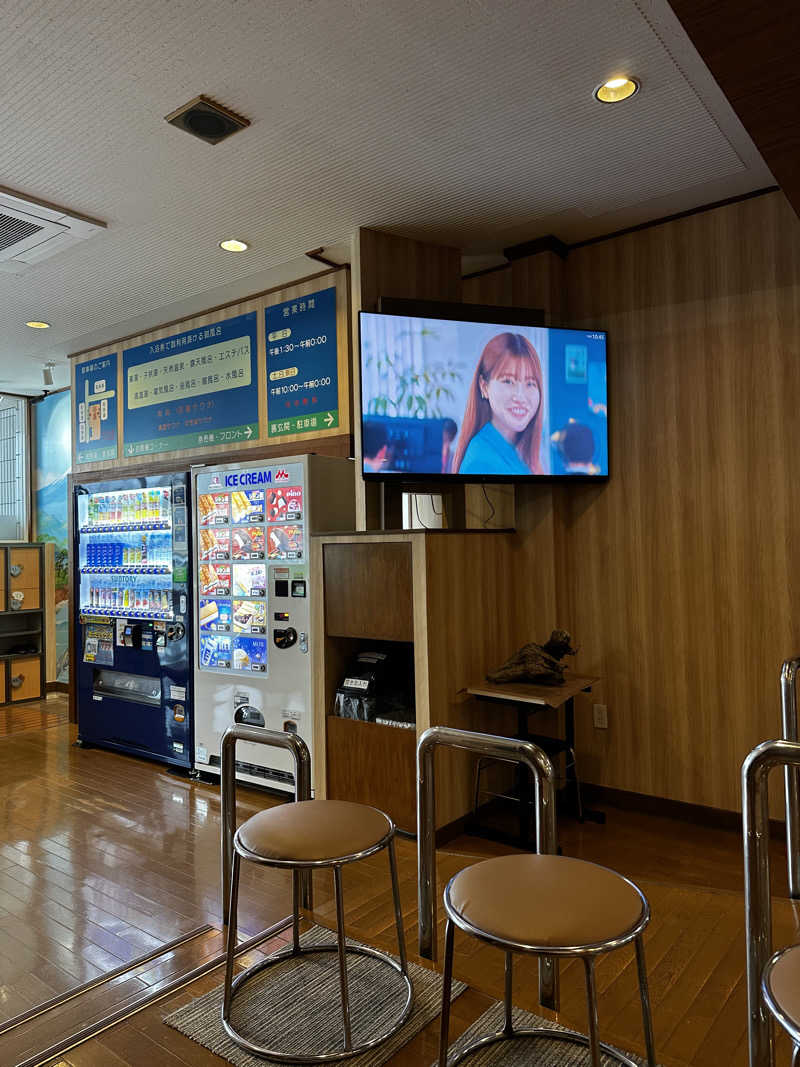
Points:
(47, 372)
(616, 89)
(35, 325)
(232, 245)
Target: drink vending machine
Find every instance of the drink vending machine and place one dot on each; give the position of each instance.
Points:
(133, 616)
(253, 614)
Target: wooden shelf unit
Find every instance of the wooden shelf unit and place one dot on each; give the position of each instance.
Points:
(454, 597)
(22, 623)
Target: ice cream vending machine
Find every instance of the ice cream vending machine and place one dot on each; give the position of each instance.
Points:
(254, 600)
(133, 607)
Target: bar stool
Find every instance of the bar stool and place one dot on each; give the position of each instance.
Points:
(303, 836)
(780, 986)
(553, 906)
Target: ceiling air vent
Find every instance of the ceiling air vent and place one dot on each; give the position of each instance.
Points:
(32, 231)
(208, 120)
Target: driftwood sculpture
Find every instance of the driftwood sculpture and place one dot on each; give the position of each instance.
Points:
(537, 663)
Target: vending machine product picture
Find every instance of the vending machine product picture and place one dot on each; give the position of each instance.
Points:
(133, 617)
(254, 599)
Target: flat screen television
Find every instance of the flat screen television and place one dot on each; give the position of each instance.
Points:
(447, 399)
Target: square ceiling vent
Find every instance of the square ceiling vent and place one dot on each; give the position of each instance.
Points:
(31, 231)
(208, 120)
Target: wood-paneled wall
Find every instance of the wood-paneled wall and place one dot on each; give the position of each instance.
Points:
(388, 265)
(682, 576)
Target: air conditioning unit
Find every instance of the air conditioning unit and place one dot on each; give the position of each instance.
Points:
(31, 232)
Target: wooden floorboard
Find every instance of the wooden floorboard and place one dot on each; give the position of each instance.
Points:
(104, 857)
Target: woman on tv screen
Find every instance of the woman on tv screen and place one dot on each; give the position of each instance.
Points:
(501, 432)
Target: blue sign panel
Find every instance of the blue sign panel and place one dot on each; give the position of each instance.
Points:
(302, 375)
(193, 389)
(96, 409)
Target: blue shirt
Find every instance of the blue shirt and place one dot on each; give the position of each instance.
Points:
(489, 453)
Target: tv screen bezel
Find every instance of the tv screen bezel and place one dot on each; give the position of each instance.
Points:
(420, 481)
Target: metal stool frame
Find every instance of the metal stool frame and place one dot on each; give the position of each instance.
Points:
(757, 900)
(536, 739)
(301, 875)
(586, 952)
(515, 751)
(789, 671)
(539, 764)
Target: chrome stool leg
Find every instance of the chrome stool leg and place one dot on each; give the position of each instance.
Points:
(398, 911)
(578, 797)
(478, 773)
(296, 910)
(591, 1003)
(340, 939)
(447, 981)
(647, 1018)
(232, 936)
(508, 1029)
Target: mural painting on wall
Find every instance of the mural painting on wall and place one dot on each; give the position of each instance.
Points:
(52, 423)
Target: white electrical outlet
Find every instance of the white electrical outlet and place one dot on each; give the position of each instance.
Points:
(600, 716)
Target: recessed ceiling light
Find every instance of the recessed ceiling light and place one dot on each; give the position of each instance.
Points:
(232, 245)
(616, 89)
(34, 325)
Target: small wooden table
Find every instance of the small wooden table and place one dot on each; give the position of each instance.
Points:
(527, 698)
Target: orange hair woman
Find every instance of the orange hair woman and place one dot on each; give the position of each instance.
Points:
(501, 432)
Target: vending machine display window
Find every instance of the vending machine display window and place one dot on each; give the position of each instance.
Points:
(214, 579)
(215, 544)
(247, 506)
(249, 580)
(213, 509)
(285, 542)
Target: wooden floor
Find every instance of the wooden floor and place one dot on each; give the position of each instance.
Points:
(33, 715)
(105, 857)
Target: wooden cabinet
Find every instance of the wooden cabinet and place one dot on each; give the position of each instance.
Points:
(22, 630)
(24, 678)
(453, 598)
(24, 579)
(368, 591)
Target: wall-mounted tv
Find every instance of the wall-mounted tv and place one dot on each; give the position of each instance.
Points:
(480, 401)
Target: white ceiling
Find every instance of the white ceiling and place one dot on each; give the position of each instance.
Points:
(464, 121)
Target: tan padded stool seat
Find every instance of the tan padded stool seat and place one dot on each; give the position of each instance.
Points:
(311, 831)
(783, 984)
(545, 900)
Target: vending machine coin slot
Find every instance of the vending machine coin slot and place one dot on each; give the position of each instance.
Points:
(285, 638)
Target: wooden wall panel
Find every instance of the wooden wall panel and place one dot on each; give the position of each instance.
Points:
(492, 287)
(388, 265)
(474, 623)
(682, 576)
(751, 49)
